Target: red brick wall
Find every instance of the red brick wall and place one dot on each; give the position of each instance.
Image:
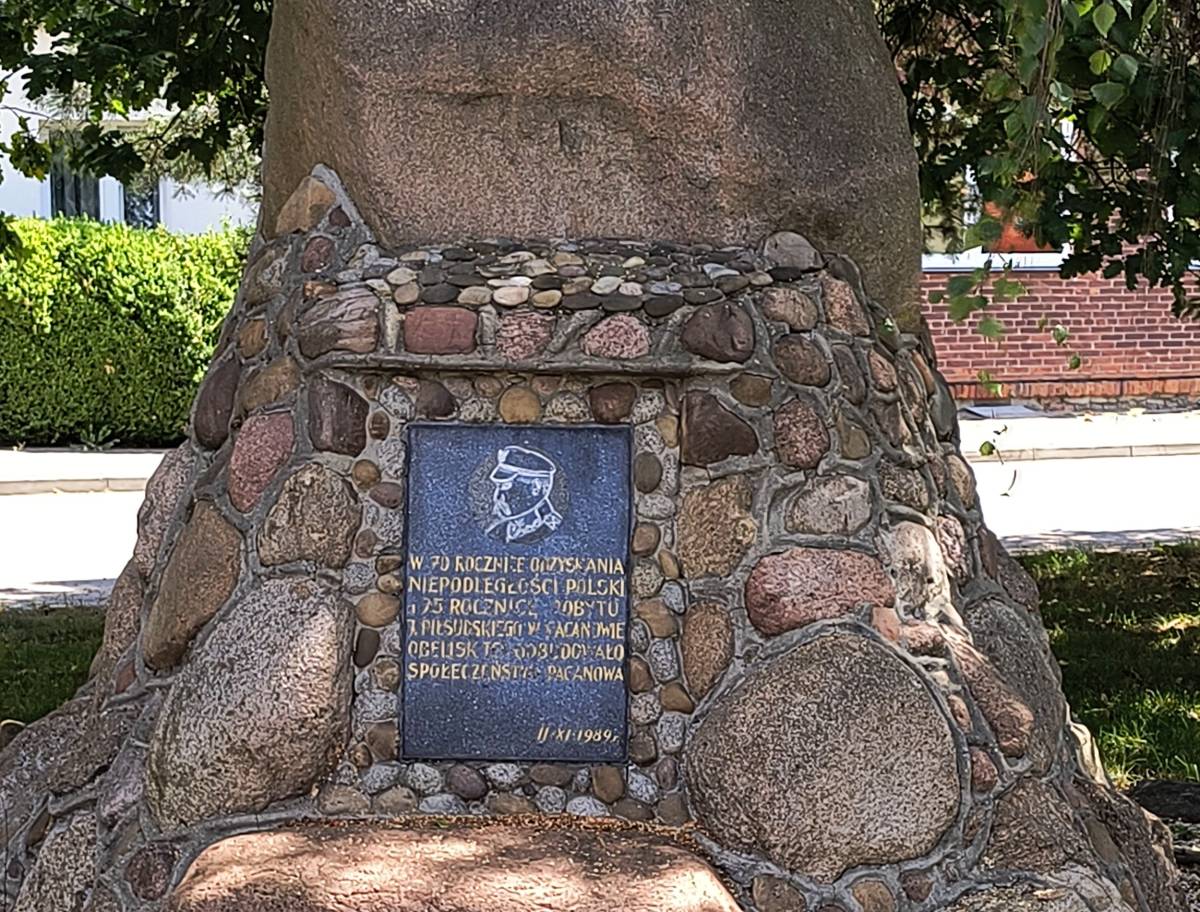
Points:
(1130, 343)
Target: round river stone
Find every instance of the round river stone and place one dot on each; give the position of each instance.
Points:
(260, 712)
(198, 579)
(801, 438)
(314, 519)
(876, 783)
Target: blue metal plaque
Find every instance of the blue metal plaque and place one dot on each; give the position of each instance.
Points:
(516, 606)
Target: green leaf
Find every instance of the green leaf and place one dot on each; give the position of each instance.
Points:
(989, 383)
(987, 448)
(1104, 18)
(1062, 93)
(1126, 68)
(984, 232)
(1061, 334)
(998, 84)
(1149, 15)
(1100, 61)
(963, 306)
(961, 285)
(1075, 363)
(991, 328)
(1007, 289)
(1109, 94)
(1188, 204)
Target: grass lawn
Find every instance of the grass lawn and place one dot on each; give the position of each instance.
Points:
(1126, 630)
(1125, 627)
(44, 658)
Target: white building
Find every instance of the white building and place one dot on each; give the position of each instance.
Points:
(190, 209)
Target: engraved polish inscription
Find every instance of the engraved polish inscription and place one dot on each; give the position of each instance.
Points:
(516, 605)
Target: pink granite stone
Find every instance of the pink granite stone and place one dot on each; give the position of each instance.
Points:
(262, 447)
(883, 373)
(801, 438)
(440, 331)
(621, 338)
(524, 334)
(842, 309)
(804, 585)
(953, 541)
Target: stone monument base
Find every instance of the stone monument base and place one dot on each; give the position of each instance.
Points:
(709, 500)
(361, 867)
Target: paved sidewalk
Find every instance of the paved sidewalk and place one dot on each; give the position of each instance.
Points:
(75, 471)
(1102, 502)
(1111, 481)
(64, 548)
(1016, 439)
(1067, 436)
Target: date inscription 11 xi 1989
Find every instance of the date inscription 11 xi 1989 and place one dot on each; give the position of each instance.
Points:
(516, 605)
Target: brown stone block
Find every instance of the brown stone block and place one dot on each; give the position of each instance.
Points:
(318, 254)
(715, 527)
(751, 389)
(707, 646)
(790, 306)
(345, 321)
(268, 384)
(315, 518)
(801, 361)
(361, 868)
(712, 433)
(214, 403)
(305, 208)
(199, 577)
(337, 417)
(612, 402)
(440, 331)
(720, 332)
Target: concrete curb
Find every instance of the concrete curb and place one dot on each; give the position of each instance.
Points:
(1163, 449)
(72, 485)
(131, 485)
(57, 471)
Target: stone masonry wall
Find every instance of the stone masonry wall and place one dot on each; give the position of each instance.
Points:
(839, 682)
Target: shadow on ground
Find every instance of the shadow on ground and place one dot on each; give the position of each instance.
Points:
(45, 654)
(71, 593)
(1126, 630)
(1065, 540)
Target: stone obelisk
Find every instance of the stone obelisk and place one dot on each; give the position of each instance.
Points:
(566, 521)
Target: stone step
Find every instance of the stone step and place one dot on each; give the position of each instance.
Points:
(357, 867)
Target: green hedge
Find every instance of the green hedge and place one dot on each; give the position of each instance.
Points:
(105, 331)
